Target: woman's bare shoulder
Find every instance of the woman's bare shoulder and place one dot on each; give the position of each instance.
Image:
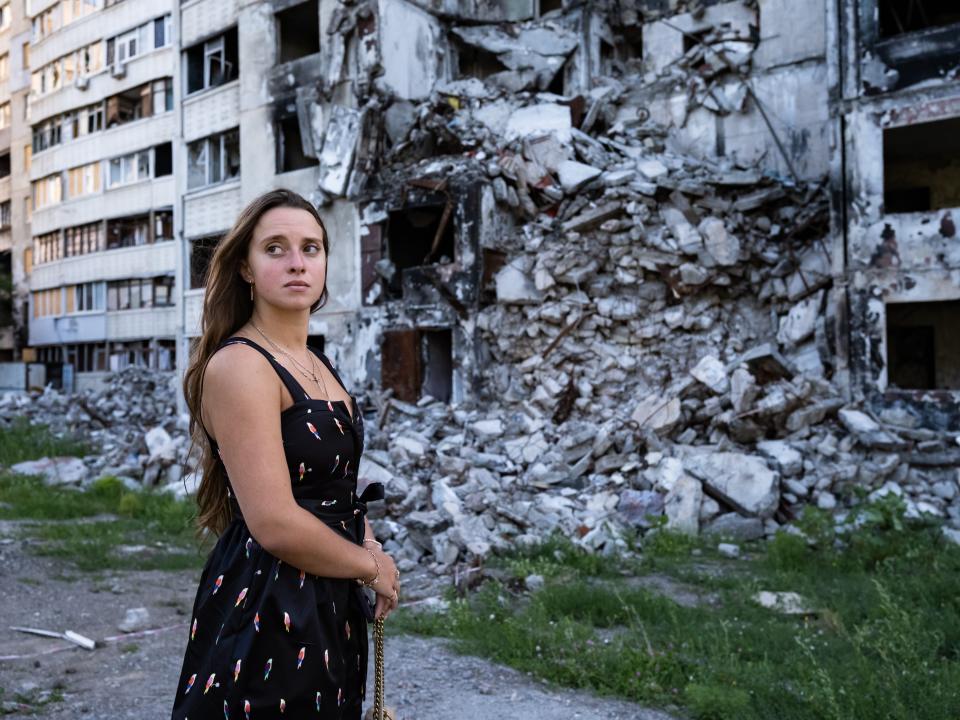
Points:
(237, 367)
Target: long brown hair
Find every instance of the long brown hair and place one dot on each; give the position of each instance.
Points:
(226, 307)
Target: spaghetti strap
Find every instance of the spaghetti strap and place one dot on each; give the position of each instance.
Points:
(293, 387)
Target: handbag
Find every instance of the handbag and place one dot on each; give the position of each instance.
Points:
(378, 711)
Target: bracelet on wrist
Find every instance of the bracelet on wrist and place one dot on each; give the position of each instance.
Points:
(371, 583)
(370, 540)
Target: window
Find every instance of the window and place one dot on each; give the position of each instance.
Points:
(62, 71)
(201, 252)
(298, 31)
(921, 166)
(89, 296)
(4, 115)
(213, 160)
(139, 40)
(290, 154)
(27, 157)
(128, 169)
(163, 225)
(923, 347)
(47, 191)
(903, 16)
(47, 248)
(5, 16)
(161, 31)
(47, 302)
(134, 293)
(84, 239)
(5, 215)
(83, 180)
(4, 165)
(163, 160)
(5, 67)
(128, 232)
(213, 62)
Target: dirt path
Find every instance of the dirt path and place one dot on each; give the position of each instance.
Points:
(134, 677)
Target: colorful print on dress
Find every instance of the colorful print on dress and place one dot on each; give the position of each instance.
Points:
(302, 469)
(256, 622)
(247, 546)
(283, 705)
(329, 406)
(216, 585)
(339, 697)
(246, 709)
(213, 676)
(303, 576)
(326, 659)
(277, 573)
(193, 629)
(313, 430)
(336, 462)
(241, 596)
(348, 629)
(286, 621)
(236, 671)
(226, 711)
(318, 701)
(339, 426)
(300, 656)
(190, 682)
(267, 669)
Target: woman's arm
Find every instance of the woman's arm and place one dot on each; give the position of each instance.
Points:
(246, 425)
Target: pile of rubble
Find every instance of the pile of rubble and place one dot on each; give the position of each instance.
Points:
(660, 350)
(131, 422)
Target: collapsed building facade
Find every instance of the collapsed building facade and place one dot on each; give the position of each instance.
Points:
(593, 262)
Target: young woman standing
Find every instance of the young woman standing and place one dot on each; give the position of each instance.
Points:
(279, 624)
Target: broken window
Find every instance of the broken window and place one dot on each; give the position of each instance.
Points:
(923, 345)
(213, 160)
(201, 252)
(290, 155)
(213, 62)
(473, 61)
(4, 165)
(415, 362)
(128, 232)
(163, 160)
(545, 6)
(921, 166)
(903, 16)
(298, 31)
(419, 235)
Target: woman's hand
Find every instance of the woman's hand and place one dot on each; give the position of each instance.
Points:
(387, 586)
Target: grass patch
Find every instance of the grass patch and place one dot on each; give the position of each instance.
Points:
(885, 642)
(22, 441)
(159, 522)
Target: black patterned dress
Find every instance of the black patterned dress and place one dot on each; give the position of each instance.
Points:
(267, 640)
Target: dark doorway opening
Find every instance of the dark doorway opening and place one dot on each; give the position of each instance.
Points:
(417, 362)
(417, 236)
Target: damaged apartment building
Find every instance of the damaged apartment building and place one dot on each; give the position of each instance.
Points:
(438, 137)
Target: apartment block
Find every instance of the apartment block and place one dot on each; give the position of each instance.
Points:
(104, 256)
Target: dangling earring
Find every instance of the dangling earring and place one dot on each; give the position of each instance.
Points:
(251, 292)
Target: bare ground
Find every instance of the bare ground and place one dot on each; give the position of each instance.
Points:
(134, 676)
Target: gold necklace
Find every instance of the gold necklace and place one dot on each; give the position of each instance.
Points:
(303, 371)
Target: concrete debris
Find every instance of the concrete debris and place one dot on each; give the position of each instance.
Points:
(786, 603)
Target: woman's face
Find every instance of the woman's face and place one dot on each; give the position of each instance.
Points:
(286, 260)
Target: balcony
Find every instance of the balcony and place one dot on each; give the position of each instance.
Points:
(106, 265)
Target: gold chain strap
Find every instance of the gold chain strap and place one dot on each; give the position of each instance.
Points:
(378, 669)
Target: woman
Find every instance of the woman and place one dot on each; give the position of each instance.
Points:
(279, 623)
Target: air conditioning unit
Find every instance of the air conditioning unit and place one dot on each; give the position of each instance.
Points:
(118, 69)
(82, 82)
